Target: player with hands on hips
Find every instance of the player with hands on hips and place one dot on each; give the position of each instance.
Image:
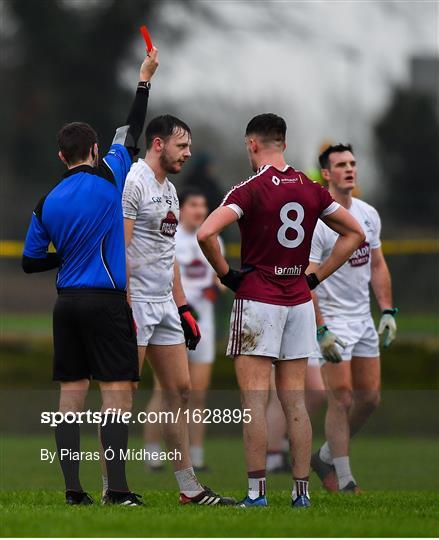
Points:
(273, 319)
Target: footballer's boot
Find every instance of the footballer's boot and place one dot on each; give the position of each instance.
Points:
(325, 472)
(351, 488)
(207, 497)
(252, 503)
(302, 501)
(78, 497)
(122, 498)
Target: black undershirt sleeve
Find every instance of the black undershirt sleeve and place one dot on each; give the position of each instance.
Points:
(31, 265)
(137, 114)
(129, 134)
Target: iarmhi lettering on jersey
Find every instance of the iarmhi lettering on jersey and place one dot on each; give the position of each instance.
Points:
(288, 270)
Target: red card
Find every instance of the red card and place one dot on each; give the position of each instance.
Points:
(146, 37)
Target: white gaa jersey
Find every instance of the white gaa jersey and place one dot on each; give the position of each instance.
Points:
(155, 209)
(196, 272)
(345, 294)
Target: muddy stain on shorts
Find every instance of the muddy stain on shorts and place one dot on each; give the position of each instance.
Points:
(251, 332)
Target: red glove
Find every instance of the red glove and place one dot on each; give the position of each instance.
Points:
(191, 331)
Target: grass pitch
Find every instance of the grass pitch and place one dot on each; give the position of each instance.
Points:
(399, 475)
(390, 514)
(393, 473)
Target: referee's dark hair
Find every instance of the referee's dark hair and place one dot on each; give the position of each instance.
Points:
(75, 140)
(188, 192)
(269, 127)
(324, 156)
(164, 126)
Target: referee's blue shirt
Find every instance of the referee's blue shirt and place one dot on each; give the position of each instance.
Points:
(82, 217)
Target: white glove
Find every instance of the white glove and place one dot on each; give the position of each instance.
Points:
(327, 341)
(387, 326)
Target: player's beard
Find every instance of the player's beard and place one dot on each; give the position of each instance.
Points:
(169, 165)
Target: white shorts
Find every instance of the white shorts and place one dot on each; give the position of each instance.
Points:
(158, 323)
(205, 351)
(281, 332)
(361, 338)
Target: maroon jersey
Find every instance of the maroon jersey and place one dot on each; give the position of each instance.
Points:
(278, 211)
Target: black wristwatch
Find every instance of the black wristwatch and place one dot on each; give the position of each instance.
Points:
(144, 84)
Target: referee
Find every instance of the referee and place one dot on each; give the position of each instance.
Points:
(93, 327)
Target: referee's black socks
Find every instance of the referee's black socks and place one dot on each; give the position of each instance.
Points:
(114, 438)
(68, 447)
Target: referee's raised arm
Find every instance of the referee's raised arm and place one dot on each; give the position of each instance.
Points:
(118, 162)
(129, 134)
(78, 150)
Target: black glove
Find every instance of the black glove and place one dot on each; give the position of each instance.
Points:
(192, 334)
(234, 277)
(312, 280)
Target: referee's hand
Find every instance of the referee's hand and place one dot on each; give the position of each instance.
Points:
(149, 65)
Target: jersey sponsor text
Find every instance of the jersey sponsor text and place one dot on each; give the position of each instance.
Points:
(288, 270)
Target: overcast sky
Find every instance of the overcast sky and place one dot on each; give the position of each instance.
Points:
(327, 67)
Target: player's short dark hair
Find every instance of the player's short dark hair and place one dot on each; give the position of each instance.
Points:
(75, 140)
(324, 156)
(269, 127)
(189, 192)
(164, 126)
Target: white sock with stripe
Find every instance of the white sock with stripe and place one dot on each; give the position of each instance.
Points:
(300, 488)
(256, 484)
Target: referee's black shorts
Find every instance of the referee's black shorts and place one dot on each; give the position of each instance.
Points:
(94, 336)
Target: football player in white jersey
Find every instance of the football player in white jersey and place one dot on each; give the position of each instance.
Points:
(201, 286)
(164, 321)
(349, 343)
